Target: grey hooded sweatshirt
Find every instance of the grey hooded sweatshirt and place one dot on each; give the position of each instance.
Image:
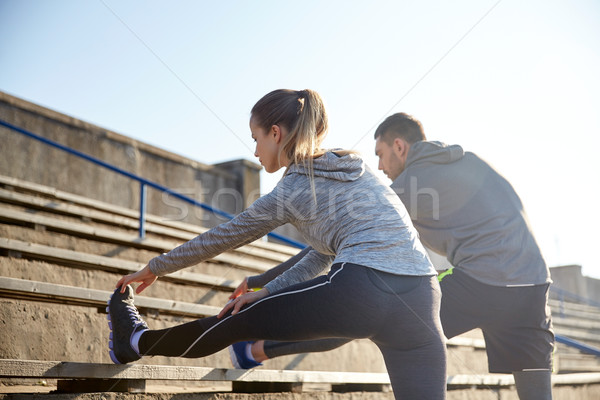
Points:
(350, 217)
(467, 211)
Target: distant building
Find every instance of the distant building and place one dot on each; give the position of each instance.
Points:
(570, 279)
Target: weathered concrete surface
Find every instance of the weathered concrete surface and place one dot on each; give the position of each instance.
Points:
(44, 333)
(571, 279)
(34, 330)
(589, 392)
(233, 186)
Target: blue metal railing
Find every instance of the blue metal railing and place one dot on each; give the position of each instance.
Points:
(578, 345)
(144, 183)
(562, 294)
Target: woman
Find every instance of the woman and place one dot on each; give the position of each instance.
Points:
(381, 284)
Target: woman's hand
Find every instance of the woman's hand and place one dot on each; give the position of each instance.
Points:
(241, 301)
(240, 290)
(144, 275)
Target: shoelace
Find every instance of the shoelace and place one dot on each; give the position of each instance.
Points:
(135, 316)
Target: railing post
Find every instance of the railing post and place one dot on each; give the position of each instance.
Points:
(142, 227)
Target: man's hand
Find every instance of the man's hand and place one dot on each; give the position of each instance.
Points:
(240, 290)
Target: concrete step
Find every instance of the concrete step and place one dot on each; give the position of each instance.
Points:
(592, 327)
(31, 300)
(566, 309)
(466, 355)
(129, 240)
(94, 262)
(48, 220)
(592, 339)
(577, 362)
(578, 322)
(49, 272)
(133, 378)
(35, 195)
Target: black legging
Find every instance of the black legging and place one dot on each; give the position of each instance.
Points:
(400, 314)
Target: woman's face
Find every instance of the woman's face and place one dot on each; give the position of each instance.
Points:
(267, 146)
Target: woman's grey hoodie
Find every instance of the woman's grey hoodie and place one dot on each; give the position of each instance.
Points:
(350, 217)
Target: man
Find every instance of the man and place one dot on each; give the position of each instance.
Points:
(465, 210)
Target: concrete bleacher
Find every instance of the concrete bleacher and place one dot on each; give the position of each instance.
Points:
(61, 255)
(581, 323)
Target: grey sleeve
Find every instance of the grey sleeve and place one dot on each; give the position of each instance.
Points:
(259, 219)
(258, 281)
(311, 265)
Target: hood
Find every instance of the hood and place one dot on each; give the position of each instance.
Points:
(434, 152)
(347, 167)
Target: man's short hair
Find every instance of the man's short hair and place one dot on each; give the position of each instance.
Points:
(400, 125)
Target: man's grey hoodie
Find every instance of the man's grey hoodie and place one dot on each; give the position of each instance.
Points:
(465, 210)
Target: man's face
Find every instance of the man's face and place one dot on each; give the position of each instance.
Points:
(392, 158)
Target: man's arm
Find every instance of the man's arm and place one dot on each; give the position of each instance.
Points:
(258, 281)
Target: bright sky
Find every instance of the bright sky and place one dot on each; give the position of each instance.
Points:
(517, 82)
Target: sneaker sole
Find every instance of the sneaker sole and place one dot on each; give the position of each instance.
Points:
(233, 358)
(111, 353)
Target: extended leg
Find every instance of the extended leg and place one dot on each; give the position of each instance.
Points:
(302, 312)
(246, 355)
(425, 366)
(274, 349)
(533, 385)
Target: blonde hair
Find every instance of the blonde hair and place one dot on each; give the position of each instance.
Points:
(302, 113)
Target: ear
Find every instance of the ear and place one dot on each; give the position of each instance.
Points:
(276, 133)
(400, 147)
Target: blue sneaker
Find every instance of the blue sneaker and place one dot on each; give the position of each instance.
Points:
(123, 320)
(239, 359)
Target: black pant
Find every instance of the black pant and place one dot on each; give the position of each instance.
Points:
(398, 313)
(515, 321)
